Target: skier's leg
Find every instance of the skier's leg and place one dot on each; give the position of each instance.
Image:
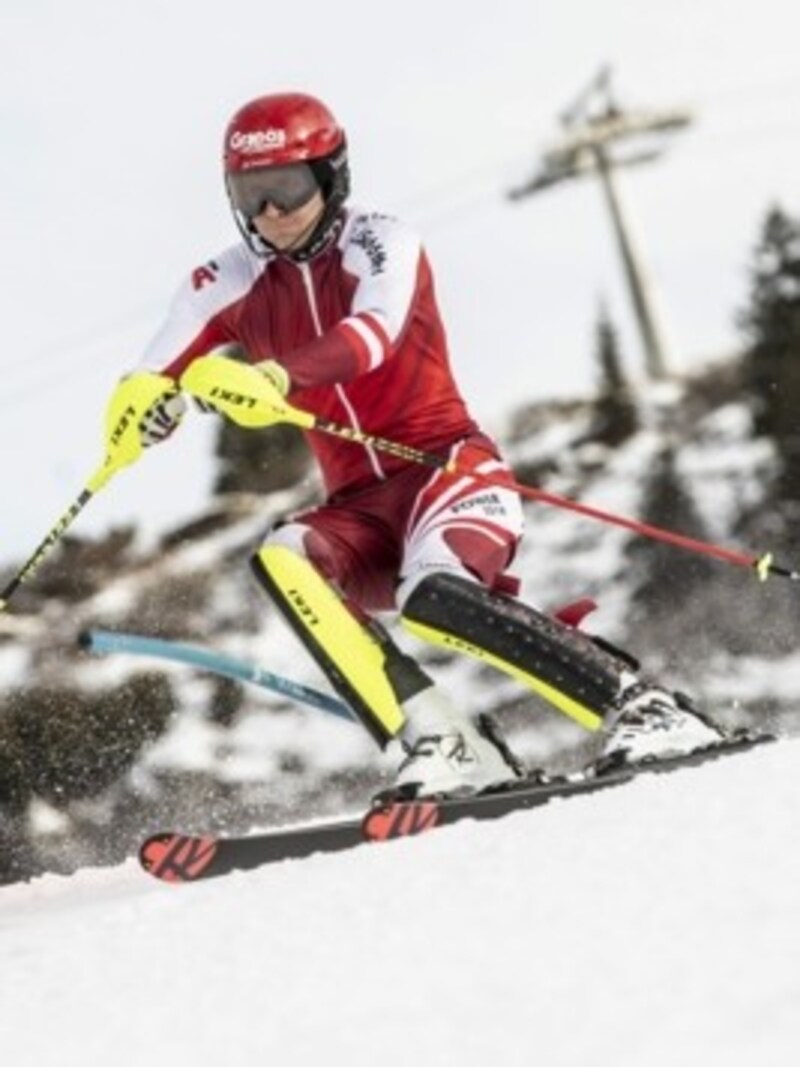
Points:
(391, 694)
(560, 664)
(450, 595)
(369, 673)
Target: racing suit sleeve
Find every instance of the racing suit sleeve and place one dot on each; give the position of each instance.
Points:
(202, 314)
(388, 265)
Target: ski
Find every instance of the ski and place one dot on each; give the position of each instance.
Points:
(177, 857)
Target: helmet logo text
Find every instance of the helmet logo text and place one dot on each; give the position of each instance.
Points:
(258, 140)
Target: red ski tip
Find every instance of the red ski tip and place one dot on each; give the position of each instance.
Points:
(400, 820)
(176, 857)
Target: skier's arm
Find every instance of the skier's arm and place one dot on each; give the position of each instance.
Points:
(387, 261)
(198, 321)
(200, 317)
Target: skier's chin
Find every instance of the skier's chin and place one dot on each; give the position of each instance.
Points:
(286, 243)
(290, 241)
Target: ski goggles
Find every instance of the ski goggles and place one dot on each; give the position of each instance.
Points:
(286, 188)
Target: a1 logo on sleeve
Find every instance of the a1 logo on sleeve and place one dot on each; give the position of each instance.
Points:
(205, 275)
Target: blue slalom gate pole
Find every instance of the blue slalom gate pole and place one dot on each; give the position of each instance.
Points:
(104, 641)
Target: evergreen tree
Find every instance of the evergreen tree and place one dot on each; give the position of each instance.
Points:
(615, 411)
(772, 326)
(667, 611)
(260, 461)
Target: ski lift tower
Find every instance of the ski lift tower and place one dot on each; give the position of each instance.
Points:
(592, 128)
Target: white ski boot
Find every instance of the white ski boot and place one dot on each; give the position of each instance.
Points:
(462, 762)
(655, 724)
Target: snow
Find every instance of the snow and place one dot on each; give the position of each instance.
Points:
(14, 665)
(252, 747)
(744, 678)
(652, 925)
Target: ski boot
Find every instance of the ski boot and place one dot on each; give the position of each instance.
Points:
(654, 724)
(470, 759)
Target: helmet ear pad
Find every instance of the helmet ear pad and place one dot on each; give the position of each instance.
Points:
(333, 174)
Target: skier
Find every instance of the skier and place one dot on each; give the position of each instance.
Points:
(336, 308)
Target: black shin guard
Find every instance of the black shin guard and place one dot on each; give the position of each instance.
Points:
(567, 669)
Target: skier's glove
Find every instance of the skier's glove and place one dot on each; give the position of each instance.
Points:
(162, 419)
(276, 375)
(137, 415)
(243, 392)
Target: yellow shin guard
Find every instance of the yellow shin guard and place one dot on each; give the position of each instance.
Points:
(356, 663)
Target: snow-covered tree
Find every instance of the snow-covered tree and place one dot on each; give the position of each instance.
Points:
(772, 325)
(615, 411)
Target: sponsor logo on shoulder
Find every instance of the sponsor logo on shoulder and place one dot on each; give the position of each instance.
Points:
(258, 140)
(376, 216)
(365, 238)
(205, 275)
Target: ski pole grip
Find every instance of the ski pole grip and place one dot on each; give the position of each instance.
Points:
(241, 393)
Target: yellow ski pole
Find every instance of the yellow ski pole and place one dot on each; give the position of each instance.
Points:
(123, 447)
(53, 537)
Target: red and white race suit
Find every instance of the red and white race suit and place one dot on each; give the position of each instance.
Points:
(359, 331)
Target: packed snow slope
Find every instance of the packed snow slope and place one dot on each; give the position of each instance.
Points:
(655, 924)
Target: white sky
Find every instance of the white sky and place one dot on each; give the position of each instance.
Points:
(111, 118)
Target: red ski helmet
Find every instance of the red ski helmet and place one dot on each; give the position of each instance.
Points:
(284, 129)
